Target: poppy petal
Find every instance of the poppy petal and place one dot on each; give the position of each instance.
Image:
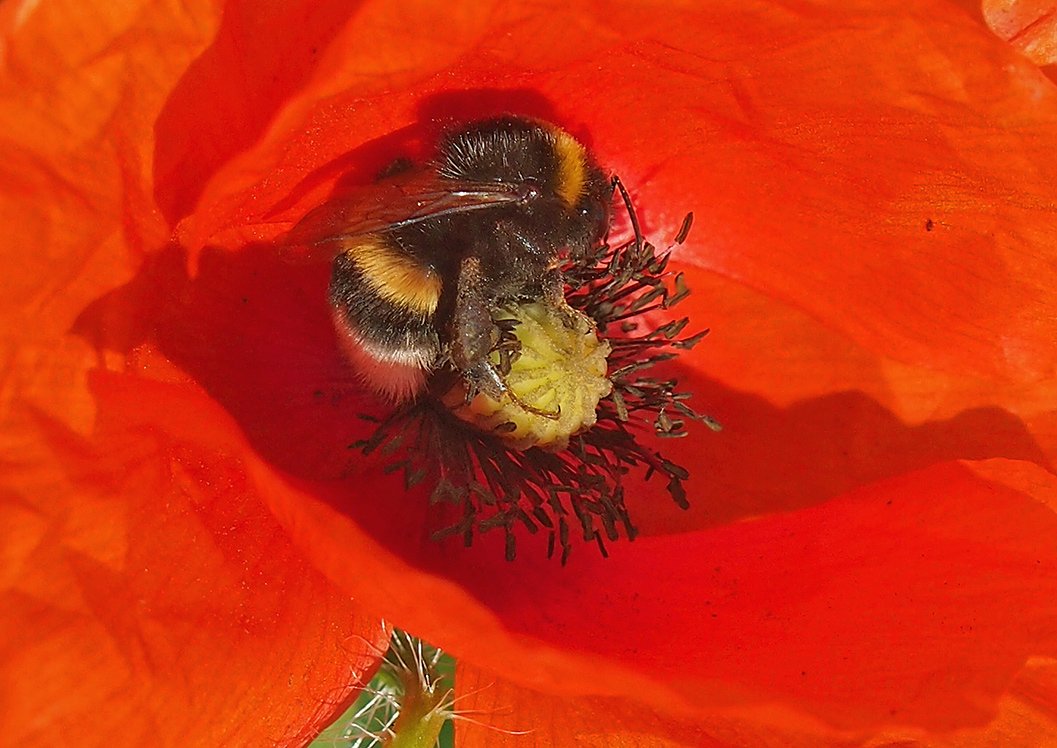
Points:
(1027, 715)
(884, 575)
(150, 597)
(818, 414)
(857, 219)
(494, 712)
(839, 198)
(862, 216)
(755, 222)
(1029, 25)
(147, 595)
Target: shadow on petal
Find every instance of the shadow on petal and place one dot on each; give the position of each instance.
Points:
(146, 578)
(791, 604)
(881, 606)
(770, 459)
(255, 332)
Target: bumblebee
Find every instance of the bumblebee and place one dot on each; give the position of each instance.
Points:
(426, 257)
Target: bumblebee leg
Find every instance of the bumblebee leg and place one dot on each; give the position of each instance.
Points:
(553, 287)
(475, 335)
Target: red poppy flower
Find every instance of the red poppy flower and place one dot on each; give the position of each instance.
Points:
(191, 553)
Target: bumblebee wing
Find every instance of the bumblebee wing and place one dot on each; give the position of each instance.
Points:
(401, 200)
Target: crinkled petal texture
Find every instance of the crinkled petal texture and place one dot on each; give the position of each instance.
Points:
(871, 550)
(147, 595)
(1029, 25)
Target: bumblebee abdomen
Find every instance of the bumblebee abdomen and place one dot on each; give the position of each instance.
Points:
(385, 304)
(390, 274)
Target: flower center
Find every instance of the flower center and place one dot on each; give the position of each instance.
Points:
(555, 379)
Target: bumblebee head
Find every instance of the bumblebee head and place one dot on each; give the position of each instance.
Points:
(593, 210)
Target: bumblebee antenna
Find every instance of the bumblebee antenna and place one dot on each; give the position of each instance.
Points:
(617, 184)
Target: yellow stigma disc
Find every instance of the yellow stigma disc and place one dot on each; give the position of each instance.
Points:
(561, 371)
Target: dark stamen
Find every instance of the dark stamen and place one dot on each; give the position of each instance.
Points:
(684, 230)
(488, 485)
(632, 215)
